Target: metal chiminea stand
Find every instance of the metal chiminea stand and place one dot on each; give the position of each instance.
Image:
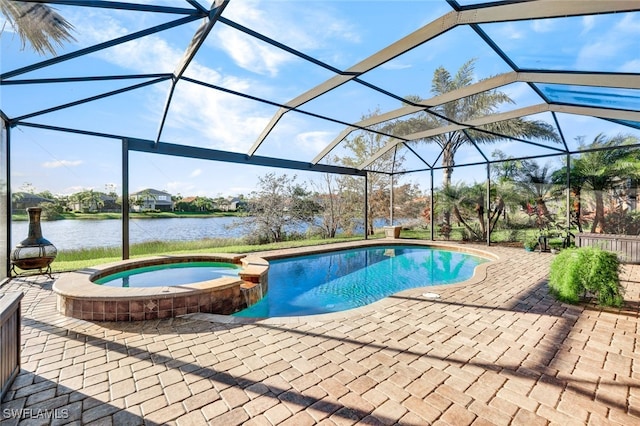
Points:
(34, 252)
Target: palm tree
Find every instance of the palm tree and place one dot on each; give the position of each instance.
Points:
(536, 181)
(576, 183)
(462, 199)
(465, 109)
(38, 24)
(91, 200)
(469, 201)
(603, 167)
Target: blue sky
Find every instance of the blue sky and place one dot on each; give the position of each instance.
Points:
(339, 33)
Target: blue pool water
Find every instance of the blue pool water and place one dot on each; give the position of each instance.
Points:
(341, 280)
(170, 274)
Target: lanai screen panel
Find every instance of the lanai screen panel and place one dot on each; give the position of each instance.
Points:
(259, 77)
(288, 55)
(5, 206)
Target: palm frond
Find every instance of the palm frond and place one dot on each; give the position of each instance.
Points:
(441, 82)
(517, 128)
(37, 24)
(464, 76)
(600, 168)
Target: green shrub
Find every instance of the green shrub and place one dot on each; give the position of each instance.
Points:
(513, 235)
(578, 270)
(565, 277)
(622, 222)
(530, 242)
(555, 243)
(602, 278)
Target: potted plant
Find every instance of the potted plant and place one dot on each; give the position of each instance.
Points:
(530, 243)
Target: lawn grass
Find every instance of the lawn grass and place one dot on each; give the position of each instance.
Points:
(71, 260)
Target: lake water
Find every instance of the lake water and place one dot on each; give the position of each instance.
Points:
(74, 234)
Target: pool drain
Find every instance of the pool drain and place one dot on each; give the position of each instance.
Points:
(431, 295)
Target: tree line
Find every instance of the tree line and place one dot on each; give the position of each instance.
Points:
(92, 201)
(524, 194)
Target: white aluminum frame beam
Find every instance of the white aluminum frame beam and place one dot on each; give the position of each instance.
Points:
(611, 80)
(605, 113)
(539, 9)
(535, 109)
(196, 42)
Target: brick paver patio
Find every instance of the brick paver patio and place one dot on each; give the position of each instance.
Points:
(498, 352)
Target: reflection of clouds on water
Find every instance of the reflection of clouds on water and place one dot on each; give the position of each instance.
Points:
(75, 234)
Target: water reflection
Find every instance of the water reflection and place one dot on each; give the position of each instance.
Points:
(75, 234)
(87, 233)
(342, 280)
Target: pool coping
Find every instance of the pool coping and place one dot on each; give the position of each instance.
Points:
(73, 283)
(479, 275)
(79, 297)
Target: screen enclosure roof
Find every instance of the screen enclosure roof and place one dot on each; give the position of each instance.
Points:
(289, 83)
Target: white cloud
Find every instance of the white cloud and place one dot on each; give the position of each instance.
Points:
(215, 119)
(314, 142)
(196, 172)
(219, 120)
(184, 188)
(631, 66)
(74, 189)
(521, 94)
(304, 28)
(61, 163)
(629, 24)
(542, 25)
(237, 190)
(588, 23)
(510, 31)
(596, 53)
(296, 23)
(150, 54)
(611, 45)
(394, 65)
(251, 54)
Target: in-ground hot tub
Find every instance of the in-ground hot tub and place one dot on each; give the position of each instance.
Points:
(78, 295)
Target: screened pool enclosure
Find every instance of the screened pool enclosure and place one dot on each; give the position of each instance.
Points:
(456, 96)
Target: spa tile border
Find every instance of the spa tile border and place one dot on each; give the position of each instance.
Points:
(79, 297)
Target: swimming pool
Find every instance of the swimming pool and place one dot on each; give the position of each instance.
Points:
(169, 274)
(347, 279)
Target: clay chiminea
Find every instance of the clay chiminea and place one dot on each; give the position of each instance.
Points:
(34, 252)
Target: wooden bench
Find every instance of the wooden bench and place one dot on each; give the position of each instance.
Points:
(627, 246)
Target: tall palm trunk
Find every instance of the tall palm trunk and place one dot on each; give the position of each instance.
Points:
(479, 208)
(447, 163)
(577, 207)
(542, 209)
(598, 220)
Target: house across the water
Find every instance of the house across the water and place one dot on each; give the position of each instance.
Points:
(151, 199)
